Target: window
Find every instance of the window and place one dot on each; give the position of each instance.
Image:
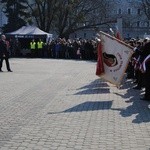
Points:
(138, 24)
(129, 11)
(146, 24)
(119, 11)
(75, 35)
(138, 11)
(128, 23)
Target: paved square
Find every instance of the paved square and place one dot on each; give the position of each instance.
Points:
(52, 104)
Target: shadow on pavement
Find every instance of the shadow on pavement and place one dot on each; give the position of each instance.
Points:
(137, 107)
(88, 106)
(96, 87)
(94, 91)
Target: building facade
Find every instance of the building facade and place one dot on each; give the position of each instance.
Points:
(129, 18)
(128, 15)
(134, 21)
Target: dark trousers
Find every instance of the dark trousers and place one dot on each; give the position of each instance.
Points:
(140, 79)
(147, 83)
(7, 63)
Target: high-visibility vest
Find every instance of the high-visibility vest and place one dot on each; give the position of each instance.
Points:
(40, 45)
(32, 45)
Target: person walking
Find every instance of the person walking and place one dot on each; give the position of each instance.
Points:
(4, 54)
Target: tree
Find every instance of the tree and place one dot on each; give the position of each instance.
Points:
(146, 7)
(81, 14)
(42, 12)
(68, 16)
(16, 13)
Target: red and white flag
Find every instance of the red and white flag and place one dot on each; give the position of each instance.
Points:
(115, 55)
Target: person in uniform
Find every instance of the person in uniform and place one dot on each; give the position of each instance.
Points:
(33, 49)
(40, 46)
(146, 64)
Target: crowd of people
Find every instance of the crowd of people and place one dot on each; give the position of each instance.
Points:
(139, 66)
(59, 48)
(66, 49)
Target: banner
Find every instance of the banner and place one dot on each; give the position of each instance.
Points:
(116, 55)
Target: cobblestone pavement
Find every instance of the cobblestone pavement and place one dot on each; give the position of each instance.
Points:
(50, 104)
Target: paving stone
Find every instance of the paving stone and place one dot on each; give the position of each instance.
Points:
(52, 104)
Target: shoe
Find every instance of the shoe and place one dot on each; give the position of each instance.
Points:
(137, 88)
(135, 82)
(10, 71)
(145, 98)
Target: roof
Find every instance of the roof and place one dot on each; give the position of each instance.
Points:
(29, 31)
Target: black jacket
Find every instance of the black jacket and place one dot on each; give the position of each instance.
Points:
(145, 51)
(3, 49)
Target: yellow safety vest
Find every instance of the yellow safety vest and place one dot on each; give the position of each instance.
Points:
(40, 45)
(32, 45)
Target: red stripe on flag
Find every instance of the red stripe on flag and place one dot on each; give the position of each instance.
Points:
(118, 35)
(100, 65)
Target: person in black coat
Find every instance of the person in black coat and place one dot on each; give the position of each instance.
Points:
(4, 54)
(146, 57)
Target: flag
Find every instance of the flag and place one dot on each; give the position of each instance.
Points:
(118, 34)
(115, 55)
(100, 65)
